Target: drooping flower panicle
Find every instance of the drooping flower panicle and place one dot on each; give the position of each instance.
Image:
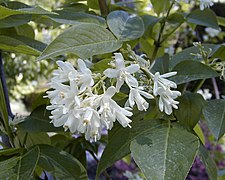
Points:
(77, 106)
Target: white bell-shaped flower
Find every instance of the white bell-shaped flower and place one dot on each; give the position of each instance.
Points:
(136, 98)
(122, 73)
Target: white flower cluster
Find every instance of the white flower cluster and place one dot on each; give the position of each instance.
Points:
(203, 3)
(77, 106)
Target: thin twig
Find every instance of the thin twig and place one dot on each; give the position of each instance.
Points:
(103, 7)
(216, 90)
(2, 76)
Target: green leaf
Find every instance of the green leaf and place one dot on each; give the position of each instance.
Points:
(208, 162)
(124, 26)
(197, 129)
(30, 139)
(39, 121)
(221, 21)
(160, 6)
(21, 167)
(161, 65)
(15, 20)
(214, 113)
(219, 52)
(167, 151)
(84, 40)
(118, 147)
(190, 109)
(61, 164)
(188, 54)
(74, 18)
(25, 30)
(20, 44)
(204, 18)
(100, 66)
(5, 12)
(93, 4)
(192, 70)
(11, 151)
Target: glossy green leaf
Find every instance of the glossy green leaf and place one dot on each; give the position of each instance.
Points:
(20, 44)
(15, 20)
(190, 109)
(61, 164)
(188, 54)
(74, 18)
(120, 139)
(192, 70)
(84, 40)
(167, 151)
(214, 113)
(39, 121)
(124, 26)
(204, 18)
(20, 168)
(208, 162)
(5, 12)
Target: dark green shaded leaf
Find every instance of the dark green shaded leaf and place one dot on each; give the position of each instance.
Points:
(161, 65)
(118, 147)
(124, 26)
(188, 54)
(15, 20)
(61, 164)
(190, 109)
(192, 70)
(219, 52)
(11, 151)
(214, 113)
(84, 40)
(204, 18)
(167, 151)
(208, 162)
(39, 121)
(21, 167)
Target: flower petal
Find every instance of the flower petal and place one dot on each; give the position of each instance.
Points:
(132, 68)
(81, 65)
(111, 73)
(119, 61)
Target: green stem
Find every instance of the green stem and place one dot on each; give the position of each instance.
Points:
(159, 42)
(103, 7)
(25, 139)
(146, 72)
(199, 85)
